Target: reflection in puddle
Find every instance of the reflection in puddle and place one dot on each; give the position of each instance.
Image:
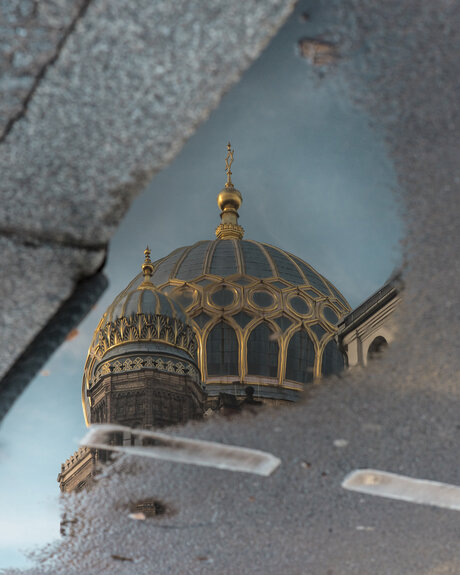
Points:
(320, 189)
(150, 365)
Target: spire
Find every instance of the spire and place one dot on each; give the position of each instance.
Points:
(228, 165)
(229, 201)
(147, 266)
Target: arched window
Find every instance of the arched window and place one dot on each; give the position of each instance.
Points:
(300, 358)
(332, 361)
(376, 347)
(262, 352)
(222, 350)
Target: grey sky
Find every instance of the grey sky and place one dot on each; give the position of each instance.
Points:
(315, 181)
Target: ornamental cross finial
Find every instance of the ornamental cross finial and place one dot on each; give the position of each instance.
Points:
(147, 266)
(229, 200)
(228, 165)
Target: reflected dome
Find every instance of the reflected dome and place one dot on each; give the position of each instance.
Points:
(260, 314)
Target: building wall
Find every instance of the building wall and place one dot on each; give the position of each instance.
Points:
(378, 328)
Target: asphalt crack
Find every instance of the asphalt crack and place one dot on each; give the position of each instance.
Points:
(41, 74)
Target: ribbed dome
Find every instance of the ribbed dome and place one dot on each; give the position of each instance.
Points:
(224, 258)
(257, 314)
(143, 299)
(261, 315)
(246, 257)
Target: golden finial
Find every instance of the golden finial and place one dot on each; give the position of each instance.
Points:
(228, 165)
(147, 266)
(229, 201)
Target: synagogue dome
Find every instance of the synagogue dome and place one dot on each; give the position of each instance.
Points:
(262, 316)
(251, 313)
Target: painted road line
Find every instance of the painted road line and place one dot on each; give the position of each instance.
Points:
(394, 486)
(179, 449)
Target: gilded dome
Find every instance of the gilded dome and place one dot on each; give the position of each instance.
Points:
(262, 316)
(142, 329)
(258, 314)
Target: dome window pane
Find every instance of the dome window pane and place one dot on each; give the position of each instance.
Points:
(318, 330)
(286, 268)
(338, 296)
(262, 352)
(222, 350)
(243, 281)
(313, 278)
(184, 297)
(192, 265)
(330, 315)
(284, 322)
(165, 306)
(300, 358)
(311, 293)
(255, 261)
(165, 267)
(332, 361)
(279, 285)
(167, 289)
(201, 319)
(204, 282)
(242, 319)
(299, 305)
(223, 297)
(131, 304)
(262, 298)
(224, 260)
(149, 302)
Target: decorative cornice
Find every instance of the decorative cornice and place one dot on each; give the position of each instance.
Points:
(144, 328)
(229, 231)
(138, 363)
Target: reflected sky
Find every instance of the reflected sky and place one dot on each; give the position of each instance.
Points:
(315, 181)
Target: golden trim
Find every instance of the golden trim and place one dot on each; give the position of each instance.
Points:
(264, 287)
(311, 304)
(237, 299)
(177, 290)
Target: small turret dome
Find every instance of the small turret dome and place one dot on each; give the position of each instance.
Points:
(142, 329)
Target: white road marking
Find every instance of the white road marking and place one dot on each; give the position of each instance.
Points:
(401, 487)
(182, 450)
